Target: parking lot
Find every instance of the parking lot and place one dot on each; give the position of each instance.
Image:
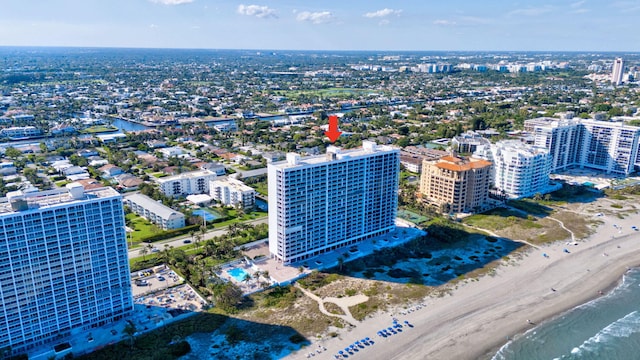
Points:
(154, 279)
(161, 287)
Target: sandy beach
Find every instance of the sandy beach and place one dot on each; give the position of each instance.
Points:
(478, 317)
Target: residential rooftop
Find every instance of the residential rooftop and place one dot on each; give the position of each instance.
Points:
(334, 153)
(17, 201)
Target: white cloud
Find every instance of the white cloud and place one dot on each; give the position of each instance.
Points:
(257, 11)
(580, 11)
(577, 4)
(627, 6)
(577, 7)
(531, 11)
(466, 21)
(443, 22)
(382, 13)
(319, 17)
(172, 2)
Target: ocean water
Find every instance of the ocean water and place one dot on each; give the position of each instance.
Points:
(607, 328)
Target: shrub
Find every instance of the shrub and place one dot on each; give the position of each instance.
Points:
(180, 349)
(297, 338)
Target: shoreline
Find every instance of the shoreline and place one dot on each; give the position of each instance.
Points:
(475, 319)
(489, 353)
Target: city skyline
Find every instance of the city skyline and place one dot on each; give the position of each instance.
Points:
(330, 25)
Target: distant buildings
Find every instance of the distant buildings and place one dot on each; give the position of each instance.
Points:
(63, 264)
(189, 183)
(321, 203)
(233, 192)
(154, 211)
(468, 142)
(216, 168)
(617, 72)
(411, 157)
(455, 184)
(20, 132)
(519, 170)
(611, 147)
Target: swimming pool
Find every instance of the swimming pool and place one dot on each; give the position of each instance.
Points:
(238, 274)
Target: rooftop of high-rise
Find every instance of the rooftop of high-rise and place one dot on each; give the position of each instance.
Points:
(459, 164)
(17, 201)
(334, 153)
(520, 148)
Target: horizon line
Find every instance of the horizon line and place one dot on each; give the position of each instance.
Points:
(308, 50)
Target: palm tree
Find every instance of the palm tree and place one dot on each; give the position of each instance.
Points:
(197, 239)
(256, 275)
(143, 252)
(130, 332)
(247, 278)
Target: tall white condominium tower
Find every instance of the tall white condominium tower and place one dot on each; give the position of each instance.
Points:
(63, 264)
(617, 71)
(520, 170)
(611, 147)
(321, 203)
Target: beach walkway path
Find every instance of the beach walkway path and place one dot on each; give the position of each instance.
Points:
(491, 233)
(344, 303)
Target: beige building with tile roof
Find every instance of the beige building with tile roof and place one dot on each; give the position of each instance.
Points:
(456, 184)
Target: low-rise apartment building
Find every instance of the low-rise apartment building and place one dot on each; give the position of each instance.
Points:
(154, 211)
(233, 192)
(189, 183)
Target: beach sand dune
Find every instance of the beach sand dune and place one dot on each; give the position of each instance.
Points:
(479, 316)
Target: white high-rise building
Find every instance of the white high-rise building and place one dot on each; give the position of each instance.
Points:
(63, 264)
(321, 203)
(232, 192)
(189, 183)
(617, 72)
(561, 137)
(519, 170)
(612, 147)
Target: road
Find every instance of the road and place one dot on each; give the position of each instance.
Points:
(256, 172)
(179, 240)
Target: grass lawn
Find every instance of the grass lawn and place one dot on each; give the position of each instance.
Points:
(498, 219)
(62, 183)
(142, 228)
(261, 188)
(531, 207)
(99, 129)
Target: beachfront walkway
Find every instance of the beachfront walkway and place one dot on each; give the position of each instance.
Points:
(344, 303)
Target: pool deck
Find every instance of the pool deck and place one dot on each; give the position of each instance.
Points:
(281, 274)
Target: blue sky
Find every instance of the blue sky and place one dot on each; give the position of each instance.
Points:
(558, 25)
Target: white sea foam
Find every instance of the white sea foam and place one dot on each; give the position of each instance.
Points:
(623, 327)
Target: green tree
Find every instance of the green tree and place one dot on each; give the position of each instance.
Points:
(12, 153)
(227, 296)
